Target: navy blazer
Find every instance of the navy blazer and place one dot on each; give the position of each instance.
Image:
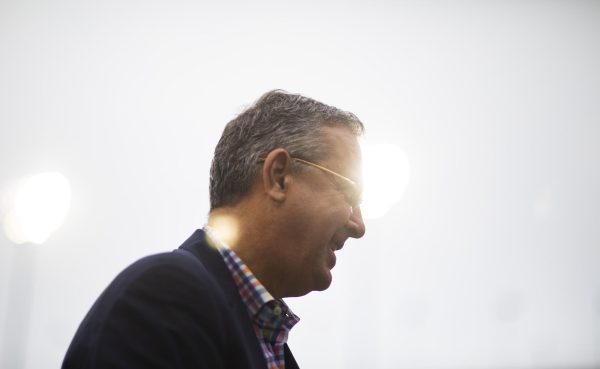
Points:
(179, 309)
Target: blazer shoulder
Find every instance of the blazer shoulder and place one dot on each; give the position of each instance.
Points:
(134, 319)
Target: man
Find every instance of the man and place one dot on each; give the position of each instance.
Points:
(285, 195)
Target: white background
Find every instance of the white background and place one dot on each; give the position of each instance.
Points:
(490, 260)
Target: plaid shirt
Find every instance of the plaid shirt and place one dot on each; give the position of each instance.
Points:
(272, 319)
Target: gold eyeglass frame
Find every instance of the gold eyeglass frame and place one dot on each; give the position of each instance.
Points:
(356, 196)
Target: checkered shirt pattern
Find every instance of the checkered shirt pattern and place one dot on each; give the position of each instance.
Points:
(272, 318)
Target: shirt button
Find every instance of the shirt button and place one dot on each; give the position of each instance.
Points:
(277, 310)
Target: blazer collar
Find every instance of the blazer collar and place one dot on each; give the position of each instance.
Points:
(198, 245)
(212, 260)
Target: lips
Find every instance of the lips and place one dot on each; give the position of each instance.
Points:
(332, 259)
(337, 244)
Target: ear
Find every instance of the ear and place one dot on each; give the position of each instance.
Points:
(276, 172)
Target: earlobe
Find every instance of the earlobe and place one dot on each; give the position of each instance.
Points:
(275, 174)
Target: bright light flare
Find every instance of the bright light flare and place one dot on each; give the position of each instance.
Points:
(37, 207)
(386, 172)
(225, 227)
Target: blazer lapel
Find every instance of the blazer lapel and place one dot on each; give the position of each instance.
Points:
(290, 362)
(214, 264)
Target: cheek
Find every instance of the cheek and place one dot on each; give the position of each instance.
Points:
(323, 228)
(316, 220)
(336, 217)
(324, 217)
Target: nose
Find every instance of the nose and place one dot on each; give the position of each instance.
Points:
(356, 225)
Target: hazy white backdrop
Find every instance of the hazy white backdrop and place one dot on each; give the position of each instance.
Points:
(491, 259)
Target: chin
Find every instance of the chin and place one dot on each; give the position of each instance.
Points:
(323, 281)
(320, 282)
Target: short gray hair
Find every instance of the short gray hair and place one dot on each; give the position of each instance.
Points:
(277, 120)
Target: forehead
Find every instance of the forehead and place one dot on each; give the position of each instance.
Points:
(344, 151)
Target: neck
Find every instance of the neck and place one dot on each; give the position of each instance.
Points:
(250, 235)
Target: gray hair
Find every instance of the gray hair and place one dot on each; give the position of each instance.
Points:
(277, 120)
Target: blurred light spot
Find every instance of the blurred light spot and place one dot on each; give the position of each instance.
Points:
(225, 227)
(386, 171)
(37, 207)
(543, 204)
(507, 307)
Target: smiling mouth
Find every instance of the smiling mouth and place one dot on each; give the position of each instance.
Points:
(332, 259)
(337, 246)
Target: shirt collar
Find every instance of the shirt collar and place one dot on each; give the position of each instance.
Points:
(262, 306)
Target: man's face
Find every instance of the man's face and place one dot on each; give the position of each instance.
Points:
(322, 216)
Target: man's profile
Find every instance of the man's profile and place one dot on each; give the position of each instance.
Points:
(285, 195)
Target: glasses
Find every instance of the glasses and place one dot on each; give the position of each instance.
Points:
(352, 190)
